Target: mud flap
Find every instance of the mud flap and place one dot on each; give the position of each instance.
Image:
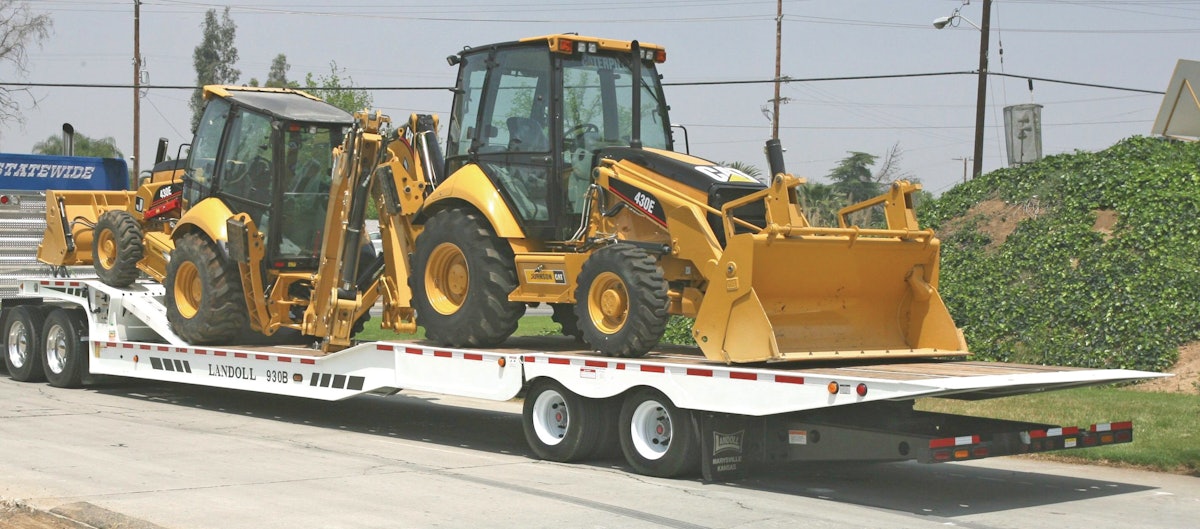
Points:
(729, 445)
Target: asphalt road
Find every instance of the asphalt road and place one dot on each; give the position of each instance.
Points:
(184, 457)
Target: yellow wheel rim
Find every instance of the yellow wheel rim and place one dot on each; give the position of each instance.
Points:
(106, 249)
(447, 278)
(608, 303)
(189, 290)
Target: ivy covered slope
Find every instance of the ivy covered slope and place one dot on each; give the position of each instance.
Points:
(1085, 259)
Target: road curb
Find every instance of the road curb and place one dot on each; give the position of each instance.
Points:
(92, 516)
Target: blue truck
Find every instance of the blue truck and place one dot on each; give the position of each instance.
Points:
(24, 179)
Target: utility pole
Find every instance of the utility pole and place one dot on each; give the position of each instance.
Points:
(137, 89)
(778, 52)
(984, 31)
(964, 161)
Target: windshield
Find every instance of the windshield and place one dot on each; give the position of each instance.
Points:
(598, 99)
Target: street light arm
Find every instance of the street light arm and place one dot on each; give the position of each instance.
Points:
(952, 21)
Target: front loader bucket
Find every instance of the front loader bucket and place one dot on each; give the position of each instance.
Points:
(70, 216)
(824, 294)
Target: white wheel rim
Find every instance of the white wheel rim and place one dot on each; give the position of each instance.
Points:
(56, 349)
(551, 418)
(650, 430)
(18, 344)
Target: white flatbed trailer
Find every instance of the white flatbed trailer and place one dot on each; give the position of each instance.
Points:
(669, 412)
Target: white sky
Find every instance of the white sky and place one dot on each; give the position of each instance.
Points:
(1132, 44)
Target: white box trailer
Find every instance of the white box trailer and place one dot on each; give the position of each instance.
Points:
(670, 412)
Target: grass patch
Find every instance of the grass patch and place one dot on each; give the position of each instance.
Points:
(1166, 426)
(528, 326)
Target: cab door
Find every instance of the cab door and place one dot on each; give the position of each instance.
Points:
(504, 123)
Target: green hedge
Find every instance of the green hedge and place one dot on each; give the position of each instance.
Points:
(1058, 292)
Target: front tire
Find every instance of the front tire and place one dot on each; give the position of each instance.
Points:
(23, 344)
(657, 438)
(621, 301)
(117, 248)
(204, 293)
(461, 280)
(65, 356)
(559, 424)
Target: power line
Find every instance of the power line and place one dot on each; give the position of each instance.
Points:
(784, 79)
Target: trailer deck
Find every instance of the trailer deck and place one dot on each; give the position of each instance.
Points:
(820, 410)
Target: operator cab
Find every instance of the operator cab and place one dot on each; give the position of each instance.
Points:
(533, 114)
(268, 153)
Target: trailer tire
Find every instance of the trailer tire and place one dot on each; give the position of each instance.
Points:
(23, 343)
(463, 274)
(657, 438)
(117, 248)
(559, 424)
(65, 358)
(621, 301)
(205, 304)
(564, 315)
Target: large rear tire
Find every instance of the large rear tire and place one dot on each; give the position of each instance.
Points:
(657, 438)
(204, 293)
(23, 344)
(559, 424)
(621, 301)
(64, 359)
(462, 276)
(117, 247)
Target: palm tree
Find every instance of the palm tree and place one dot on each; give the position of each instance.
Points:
(84, 146)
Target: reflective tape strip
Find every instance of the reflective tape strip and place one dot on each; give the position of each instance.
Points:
(656, 368)
(947, 442)
(1110, 426)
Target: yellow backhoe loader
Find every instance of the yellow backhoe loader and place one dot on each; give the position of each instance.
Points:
(558, 184)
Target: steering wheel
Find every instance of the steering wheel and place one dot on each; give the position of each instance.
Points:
(579, 130)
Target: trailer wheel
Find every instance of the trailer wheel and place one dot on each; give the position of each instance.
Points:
(559, 424)
(462, 276)
(621, 301)
(204, 293)
(22, 344)
(117, 248)
(564, 315)
(657, 438)
(65, 355)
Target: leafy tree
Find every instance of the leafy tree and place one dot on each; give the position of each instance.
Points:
(852, 177)
(18, 29)
(820, 203)
(214, 58)
(337, 89)
(277, 76)
(84, 146)
(854, 180)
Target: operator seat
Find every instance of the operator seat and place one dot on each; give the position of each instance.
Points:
(525, 135)
(527, 184)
